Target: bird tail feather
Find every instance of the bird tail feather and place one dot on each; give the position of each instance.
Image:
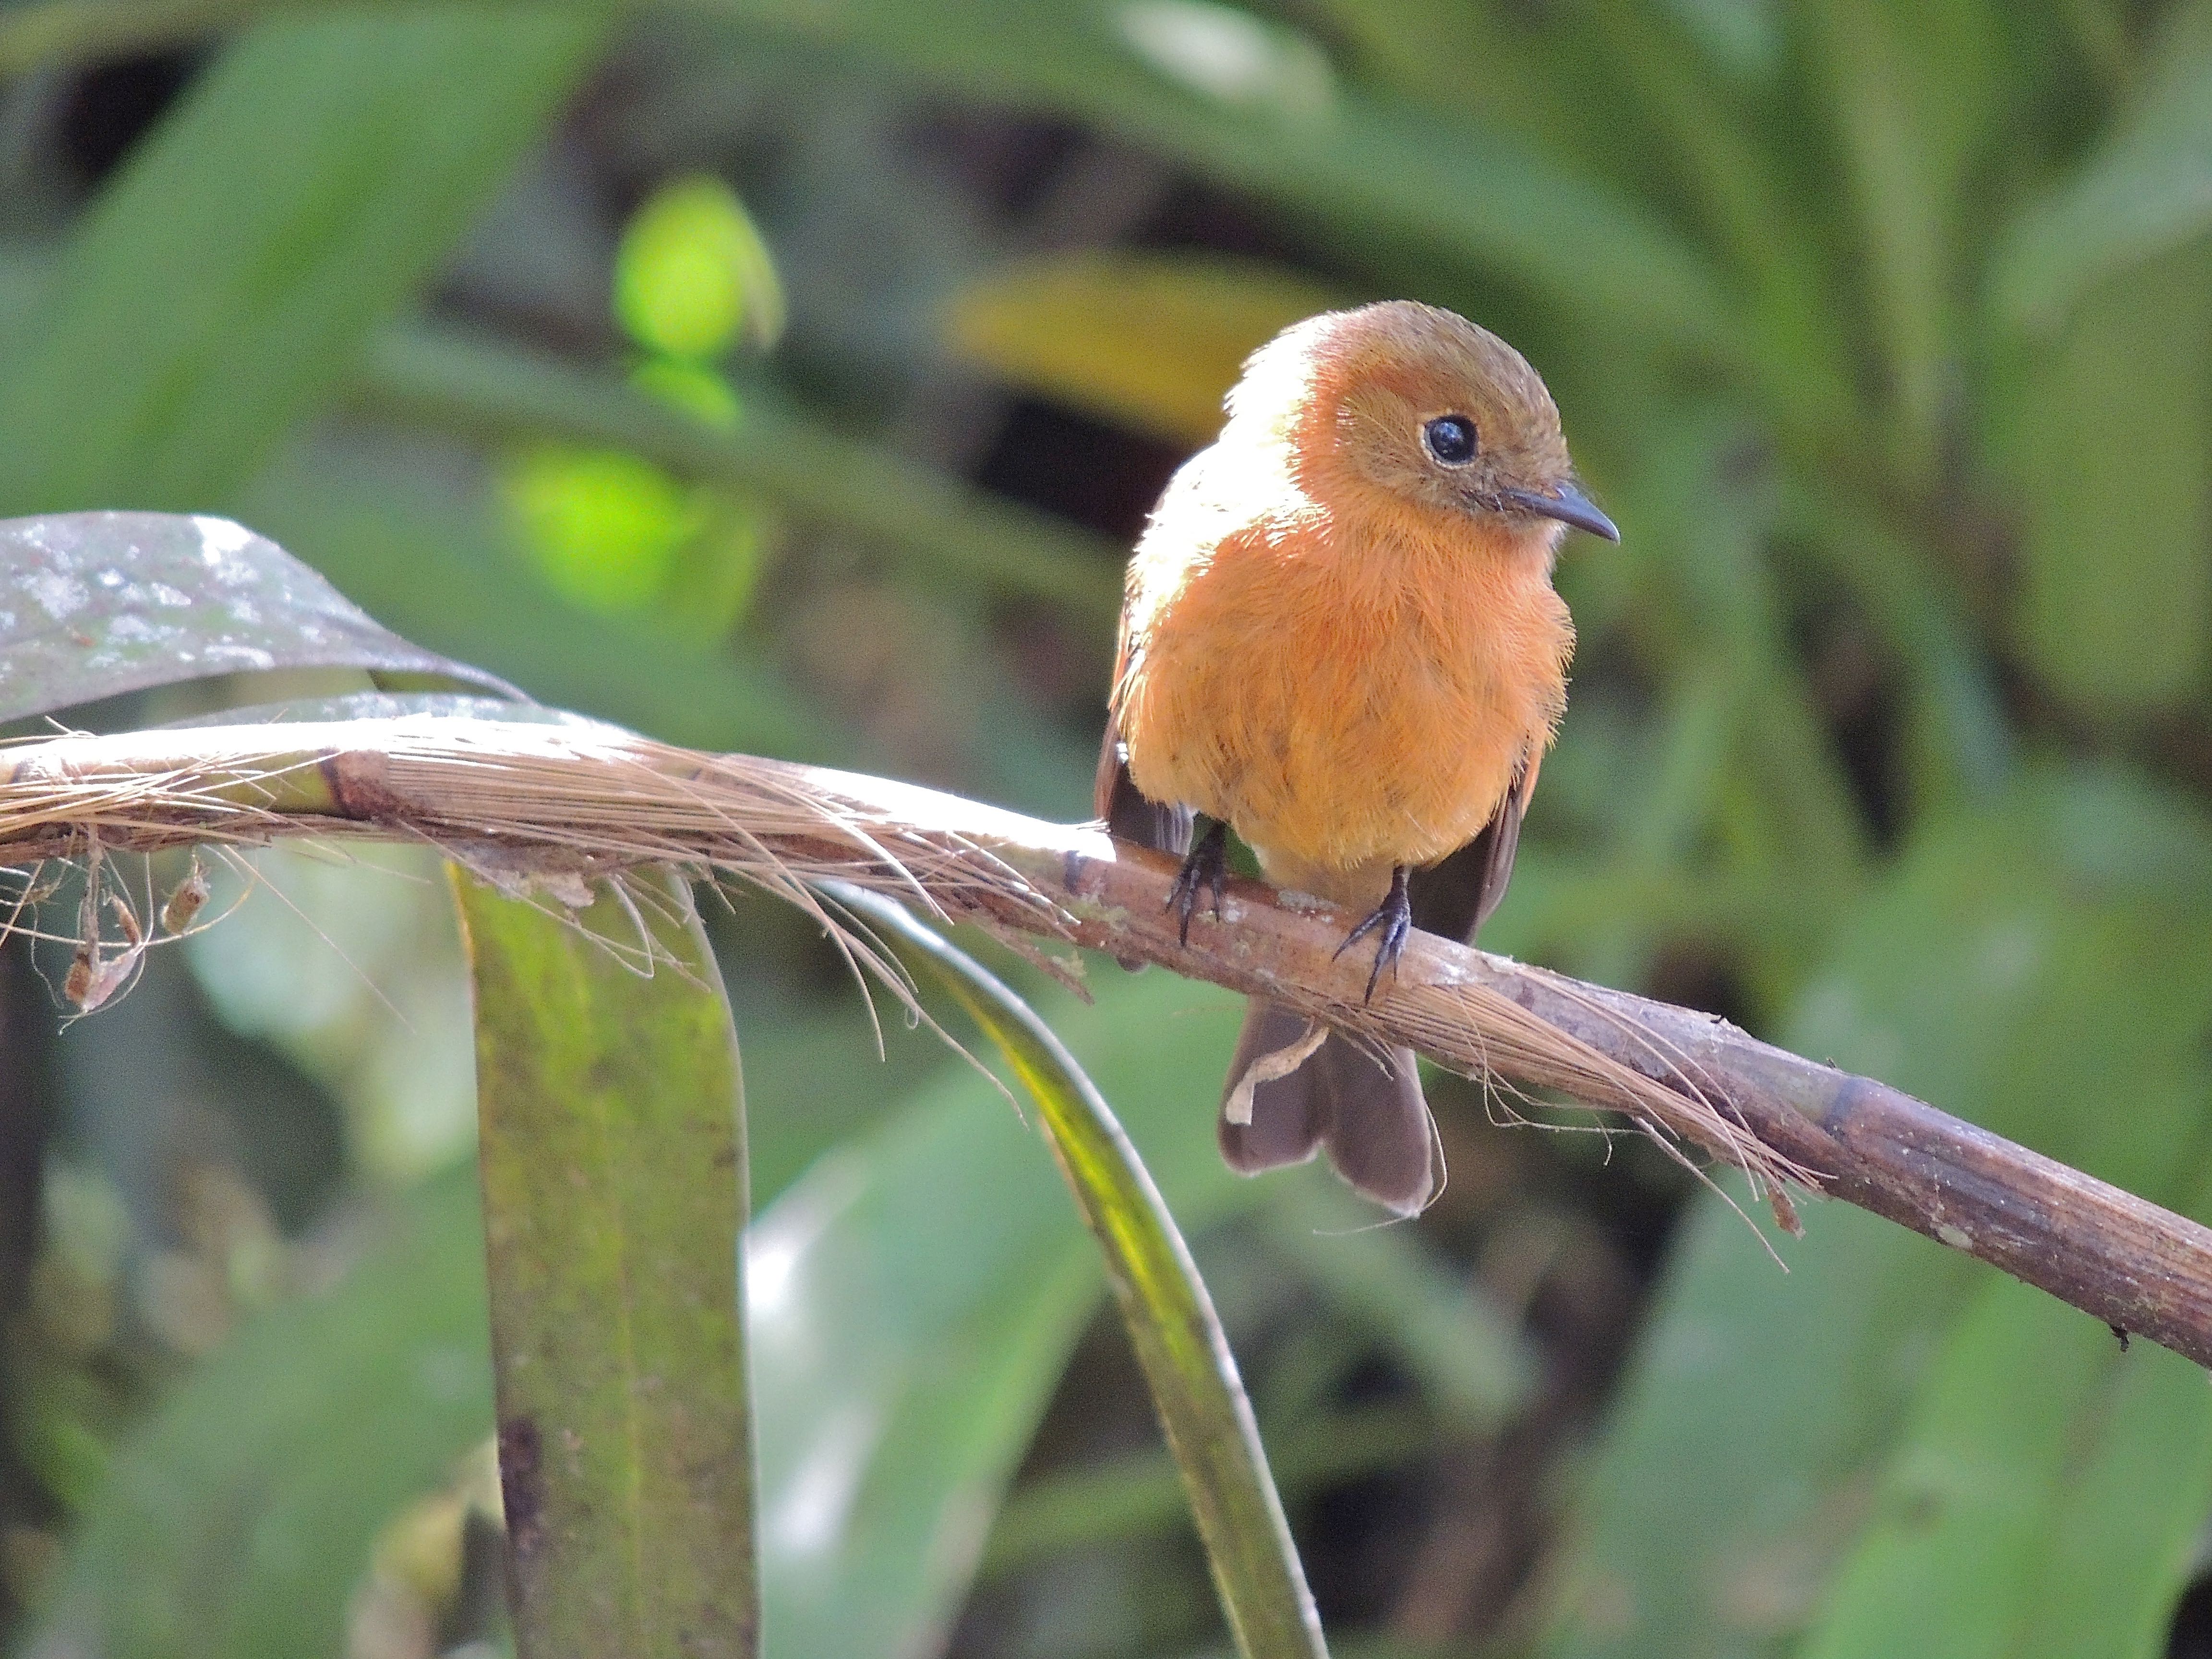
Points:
(1288, 1097)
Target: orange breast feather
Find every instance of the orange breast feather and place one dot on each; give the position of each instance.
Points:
(1346, 692)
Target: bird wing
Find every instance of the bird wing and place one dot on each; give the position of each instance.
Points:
(1455, 896)
(1129, 812)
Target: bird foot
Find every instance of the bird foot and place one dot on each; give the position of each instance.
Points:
(1394, 919)
(1207, 867)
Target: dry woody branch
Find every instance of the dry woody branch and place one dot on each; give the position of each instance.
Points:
(550, 808)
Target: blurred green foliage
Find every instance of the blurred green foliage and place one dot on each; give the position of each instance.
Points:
(691, 273)
(610, 529)
(1885, 333)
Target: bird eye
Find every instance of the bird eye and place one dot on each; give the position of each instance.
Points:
(1450, 439)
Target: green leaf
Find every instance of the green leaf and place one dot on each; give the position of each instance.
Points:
(1913, 90)
(2016, 963)
(236, 1522)
(2112, 441)
(692, 273)
(1960, 739)
(2029, 1420)
(2146, 191)
(1489, 65)
(2120, 1544)
(604, 528)
(612, 1151)
(96, 603)
(1742, 753)
(914, 1298)
(1703, 136)
(1170, 1319)
(1707, 1525)
(2015, 1515)
(221, 287)
(1743, 36)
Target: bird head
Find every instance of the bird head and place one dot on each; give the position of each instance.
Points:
(1424, 408)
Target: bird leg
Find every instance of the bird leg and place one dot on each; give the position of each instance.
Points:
(1395, 918)
(1207, 866)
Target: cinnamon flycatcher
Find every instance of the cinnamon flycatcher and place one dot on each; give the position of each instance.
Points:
(1340, 639)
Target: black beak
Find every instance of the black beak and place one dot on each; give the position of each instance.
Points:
(1568, 505)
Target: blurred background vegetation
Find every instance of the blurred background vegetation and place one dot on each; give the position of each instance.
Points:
(793, 378)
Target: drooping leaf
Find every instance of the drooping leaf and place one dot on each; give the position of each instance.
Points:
(222, 285)
(96, 603)
(612, 1153)
(236, 1521)
(1178, 1339)
(242, 1514)
(915, 1296)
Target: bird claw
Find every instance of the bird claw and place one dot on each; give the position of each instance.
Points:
(1394, 919)
(1205, 866)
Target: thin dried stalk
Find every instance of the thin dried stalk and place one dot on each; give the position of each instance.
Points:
(552, 806)
(574, 800)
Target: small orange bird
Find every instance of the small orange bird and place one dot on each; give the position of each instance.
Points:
(1340, 640)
